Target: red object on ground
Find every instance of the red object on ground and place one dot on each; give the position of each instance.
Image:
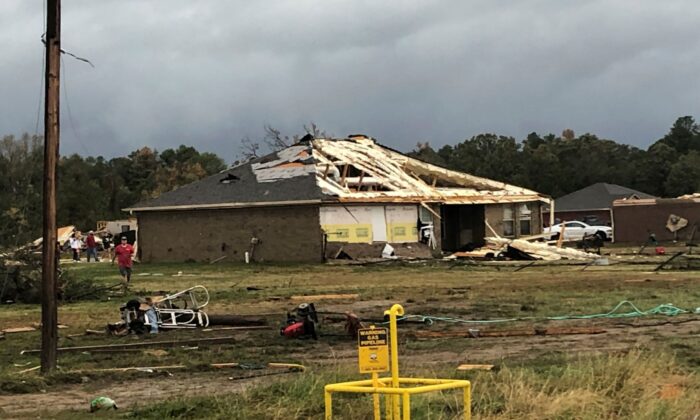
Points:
(294, 330)
(660, 250)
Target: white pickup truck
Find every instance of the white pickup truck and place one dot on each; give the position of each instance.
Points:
(576, 230)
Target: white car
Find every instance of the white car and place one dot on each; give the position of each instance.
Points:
(577, 230)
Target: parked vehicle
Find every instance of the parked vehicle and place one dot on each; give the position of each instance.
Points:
(576, 230)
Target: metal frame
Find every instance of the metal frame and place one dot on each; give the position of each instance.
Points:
(391, 386)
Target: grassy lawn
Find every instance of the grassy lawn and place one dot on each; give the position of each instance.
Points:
(639, 371)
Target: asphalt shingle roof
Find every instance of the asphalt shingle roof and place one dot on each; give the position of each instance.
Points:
(241, 186)
(596, 196)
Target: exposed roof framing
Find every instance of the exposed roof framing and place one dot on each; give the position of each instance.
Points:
(386, 175)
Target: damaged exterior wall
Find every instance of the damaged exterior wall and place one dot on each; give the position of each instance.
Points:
(495, 216)
(636, 219)
(290, 233)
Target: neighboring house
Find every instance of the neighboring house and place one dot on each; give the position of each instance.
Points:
(636, 219)
(593, 204)
(308, 201)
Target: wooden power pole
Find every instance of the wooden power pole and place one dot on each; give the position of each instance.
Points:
(49, 310)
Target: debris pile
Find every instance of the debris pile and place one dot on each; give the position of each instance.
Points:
(541, 250)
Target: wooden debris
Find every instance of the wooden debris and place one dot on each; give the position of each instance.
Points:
(311, 298)
(475, 367)
(218, 259)
(145, 344)
(29, 370)
(292, 366)
(543, 251)
(251, 327)
(18, 330)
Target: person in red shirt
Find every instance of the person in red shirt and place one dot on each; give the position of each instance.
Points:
(123, 253)
(91, 246)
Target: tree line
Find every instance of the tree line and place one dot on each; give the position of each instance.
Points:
(558, 165)
(89, 188)
(95, 188)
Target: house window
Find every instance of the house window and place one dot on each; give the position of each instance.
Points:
(362, 233)
(342, 233)
(399, 231)
(425, 215)
(525, 219)
(508, 221)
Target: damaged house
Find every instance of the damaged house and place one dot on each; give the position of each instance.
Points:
(320, 198)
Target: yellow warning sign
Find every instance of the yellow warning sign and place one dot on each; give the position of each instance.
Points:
(373, 349)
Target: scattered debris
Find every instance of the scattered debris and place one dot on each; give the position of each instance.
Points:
(302, 322)
(102, 403)
(174, 311)
(542, 251)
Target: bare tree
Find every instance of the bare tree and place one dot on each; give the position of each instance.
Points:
(274, 141)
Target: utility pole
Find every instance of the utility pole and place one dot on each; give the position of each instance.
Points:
(49, 310)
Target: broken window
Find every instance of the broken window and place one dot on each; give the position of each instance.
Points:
(525, 219)
(508, 221)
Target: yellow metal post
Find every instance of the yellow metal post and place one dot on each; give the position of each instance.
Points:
(329, 405)
(396, 310)
(467, 402)
(375, 397)
(406, 406)
(387, 406)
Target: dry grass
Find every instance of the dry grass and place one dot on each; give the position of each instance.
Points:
(537, 379)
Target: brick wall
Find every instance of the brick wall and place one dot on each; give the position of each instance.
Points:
(291, 233)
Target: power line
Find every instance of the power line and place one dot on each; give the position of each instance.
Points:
(41, 79)
(70, 114)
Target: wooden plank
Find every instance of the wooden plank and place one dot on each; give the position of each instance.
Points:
(475, 367)
(322, 297)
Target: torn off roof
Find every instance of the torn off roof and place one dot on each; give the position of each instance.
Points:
(355, 169)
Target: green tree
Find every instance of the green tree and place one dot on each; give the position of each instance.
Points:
(684, 176)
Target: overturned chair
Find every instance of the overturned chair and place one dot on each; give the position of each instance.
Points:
(175, 311)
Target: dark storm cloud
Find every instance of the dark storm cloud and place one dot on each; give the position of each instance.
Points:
(210, 73)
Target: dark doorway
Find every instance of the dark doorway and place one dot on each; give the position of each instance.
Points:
(463, 227)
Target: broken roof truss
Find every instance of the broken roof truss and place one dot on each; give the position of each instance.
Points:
(360, 170)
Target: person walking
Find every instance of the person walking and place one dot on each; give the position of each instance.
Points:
(91, 246)
(123, 253)
(75, 245)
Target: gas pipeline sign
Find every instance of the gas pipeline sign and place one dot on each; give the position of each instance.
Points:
(373, 349)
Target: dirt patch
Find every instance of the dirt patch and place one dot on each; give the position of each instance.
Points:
(126, 394)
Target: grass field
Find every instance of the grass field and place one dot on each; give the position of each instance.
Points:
(639, 368)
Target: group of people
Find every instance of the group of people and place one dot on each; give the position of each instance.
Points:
(123, 252)
(76, 245)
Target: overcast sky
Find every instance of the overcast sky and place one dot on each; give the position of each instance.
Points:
(208, 73)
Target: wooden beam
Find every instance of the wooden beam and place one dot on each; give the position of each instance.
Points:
(427, 207)
(345, 174)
